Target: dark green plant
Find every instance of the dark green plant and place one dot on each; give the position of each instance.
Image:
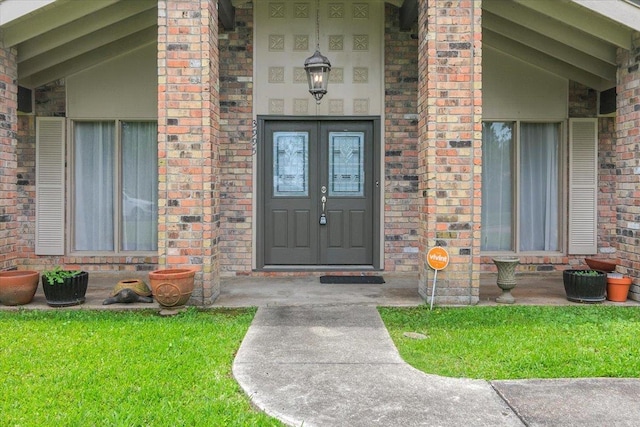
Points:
(58, 275)
(590, 273)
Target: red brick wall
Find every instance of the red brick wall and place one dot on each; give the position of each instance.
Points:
(8, 157)
(627, 166)
(449, 150)
(607, 197)
(401, 203)
(25, 175)
(236, 144)
(188, 141)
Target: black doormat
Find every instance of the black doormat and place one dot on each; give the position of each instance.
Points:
(352, 279)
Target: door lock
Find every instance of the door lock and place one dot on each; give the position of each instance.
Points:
(323, 216)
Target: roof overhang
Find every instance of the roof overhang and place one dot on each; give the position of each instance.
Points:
(576, 39)
(10, 10)
(624, 12)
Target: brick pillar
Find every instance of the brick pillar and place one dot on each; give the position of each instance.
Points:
(8, 156)
(237, 149)
(188, 120)
(449, 148)
(401, 194)
(627, 165)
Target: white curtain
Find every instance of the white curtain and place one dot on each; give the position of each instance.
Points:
(95, 186)
(539, 151)
(497, 183)
(139, 186)
(94, 154)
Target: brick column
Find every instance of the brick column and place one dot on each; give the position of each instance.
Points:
(188, 120)
(237, 149)
(449, 148)
(627, 165)
(401, 193)
(8, 156)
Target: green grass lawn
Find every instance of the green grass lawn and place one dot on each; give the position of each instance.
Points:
(84, 368)
(512, 342)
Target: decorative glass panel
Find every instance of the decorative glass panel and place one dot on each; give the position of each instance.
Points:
(290, 164)
(346, 164)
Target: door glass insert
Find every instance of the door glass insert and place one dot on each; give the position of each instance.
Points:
(346, 164)
(290, 164)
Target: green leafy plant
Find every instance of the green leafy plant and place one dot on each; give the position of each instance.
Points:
(590, 273)
(58, 275)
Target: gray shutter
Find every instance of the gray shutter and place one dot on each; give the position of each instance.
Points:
(583, 186)
(50, 142)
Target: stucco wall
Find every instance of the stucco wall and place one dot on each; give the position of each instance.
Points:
(512, 89)
(126, 86)
(351, 37)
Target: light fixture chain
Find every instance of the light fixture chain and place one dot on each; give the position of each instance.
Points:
(318, 25)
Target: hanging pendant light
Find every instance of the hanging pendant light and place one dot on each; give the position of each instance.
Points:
(317, 66)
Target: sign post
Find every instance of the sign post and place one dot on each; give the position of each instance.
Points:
(438, 259)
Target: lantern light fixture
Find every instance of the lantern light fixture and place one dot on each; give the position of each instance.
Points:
(317, 66)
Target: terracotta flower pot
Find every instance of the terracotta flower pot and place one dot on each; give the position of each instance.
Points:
(17, 287)
(618, 288)
(172, 287)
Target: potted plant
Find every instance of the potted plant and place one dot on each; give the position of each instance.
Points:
(17, 287)
(64, 287)
(585, 285)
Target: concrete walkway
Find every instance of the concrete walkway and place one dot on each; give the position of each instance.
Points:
(335, 365)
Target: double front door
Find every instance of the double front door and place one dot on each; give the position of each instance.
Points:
(318, 193)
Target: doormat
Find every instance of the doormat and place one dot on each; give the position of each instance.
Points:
(352, 279)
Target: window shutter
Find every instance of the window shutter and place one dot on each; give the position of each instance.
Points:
(583, 186)
(50, 141)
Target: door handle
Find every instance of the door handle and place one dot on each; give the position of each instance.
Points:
(323, 216)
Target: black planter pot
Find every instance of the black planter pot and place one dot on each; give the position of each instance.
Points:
(581, 288)
(71, 292)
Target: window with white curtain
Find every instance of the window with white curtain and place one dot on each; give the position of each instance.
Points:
(115, 186)
(521, 186)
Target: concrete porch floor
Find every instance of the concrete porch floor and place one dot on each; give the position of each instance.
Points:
(399, 290)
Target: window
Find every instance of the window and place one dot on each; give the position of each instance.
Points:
(115, 190)
(521, 186)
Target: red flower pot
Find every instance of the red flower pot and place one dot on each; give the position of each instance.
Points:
(17, 287)
(618, 288)
(172, 287)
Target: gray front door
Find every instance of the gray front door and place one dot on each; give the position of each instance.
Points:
(319, 191)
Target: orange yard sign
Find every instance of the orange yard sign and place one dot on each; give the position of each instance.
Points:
(438, 258)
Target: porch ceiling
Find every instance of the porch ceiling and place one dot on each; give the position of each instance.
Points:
(65, 36)
(576, 39)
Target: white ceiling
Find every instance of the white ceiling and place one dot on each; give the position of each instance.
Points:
(575, 39)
